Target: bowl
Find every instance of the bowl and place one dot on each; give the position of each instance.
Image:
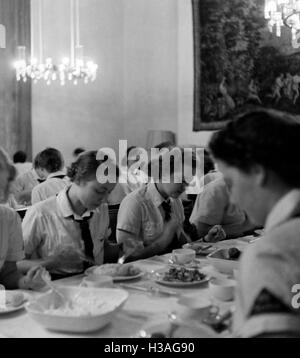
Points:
(194, 307)
(94, 280)
(220, 261)
(93, 308)
(222, 289)
(183, 256)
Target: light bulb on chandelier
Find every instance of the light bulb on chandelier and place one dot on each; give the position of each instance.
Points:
(74, 69)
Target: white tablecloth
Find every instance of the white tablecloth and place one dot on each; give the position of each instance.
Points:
(141, 310)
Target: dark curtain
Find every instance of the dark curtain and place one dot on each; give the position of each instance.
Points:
(15, 97)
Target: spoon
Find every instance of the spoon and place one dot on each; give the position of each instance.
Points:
(61, 300)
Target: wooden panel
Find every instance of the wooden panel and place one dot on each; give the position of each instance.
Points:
(15, 97)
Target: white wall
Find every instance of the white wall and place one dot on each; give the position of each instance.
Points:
(144, 49)
(84, 115)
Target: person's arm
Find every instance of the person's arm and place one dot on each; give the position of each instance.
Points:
(12, 278)
(139, 251)
(25, 265)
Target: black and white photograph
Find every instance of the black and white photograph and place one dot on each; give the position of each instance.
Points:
(149, 189)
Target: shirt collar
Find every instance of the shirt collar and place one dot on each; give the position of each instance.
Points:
(155, 196)
(60, 172)
(64, 205)
(287, 207)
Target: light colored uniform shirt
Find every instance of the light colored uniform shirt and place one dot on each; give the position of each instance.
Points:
(11, 241)
(271, 263)
(48, 227)
(213, 207)
(127, 183)
(26, 181)
(22, 167)
(51, 186)
(141, 214)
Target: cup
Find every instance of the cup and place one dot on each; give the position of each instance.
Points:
(222, 289)
(94, 280)
(195, 307)
(183, 256)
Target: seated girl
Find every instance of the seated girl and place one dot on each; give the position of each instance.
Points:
(50, 164)
(150, 219)
(11, 241)
(67, 231)
(215, 216)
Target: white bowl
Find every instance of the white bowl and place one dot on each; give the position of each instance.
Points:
(222, 264)
(183, 256)
(222, 289)
(97, 308)
(99, 281)
(194, 306)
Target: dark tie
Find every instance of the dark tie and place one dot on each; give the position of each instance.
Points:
(87, 238)
(166, 205)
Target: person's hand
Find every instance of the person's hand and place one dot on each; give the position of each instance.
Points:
(216, 233)
(34, 279)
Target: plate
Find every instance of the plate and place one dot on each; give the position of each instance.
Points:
(181, 284)
(9, 308)
(202, 249)
(127, 278)
(91, 270)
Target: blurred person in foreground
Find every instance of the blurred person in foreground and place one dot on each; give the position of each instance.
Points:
(258, 155)
(11, 240)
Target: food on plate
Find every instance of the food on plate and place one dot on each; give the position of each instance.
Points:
(14, 299)
(234, 253)
(201, 248)
(183, 274)
(117, 270)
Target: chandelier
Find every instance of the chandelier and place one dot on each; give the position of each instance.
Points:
(283, 13)
(73, 68)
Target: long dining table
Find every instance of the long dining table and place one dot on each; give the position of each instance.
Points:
(142, 310)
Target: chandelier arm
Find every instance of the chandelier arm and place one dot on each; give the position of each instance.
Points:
(40, 9)
(72, 35)
(77, 23)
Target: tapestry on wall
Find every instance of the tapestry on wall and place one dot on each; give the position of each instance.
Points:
(239, 63)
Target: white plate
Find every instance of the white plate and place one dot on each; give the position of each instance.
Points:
(181, 284)
(127, 278)
(90, 271)
(9, 308)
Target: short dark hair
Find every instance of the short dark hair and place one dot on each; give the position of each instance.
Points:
(78, 151)
(85, 167)
(265, 137)
(20, 157)
(50, 159)
(167, 145)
